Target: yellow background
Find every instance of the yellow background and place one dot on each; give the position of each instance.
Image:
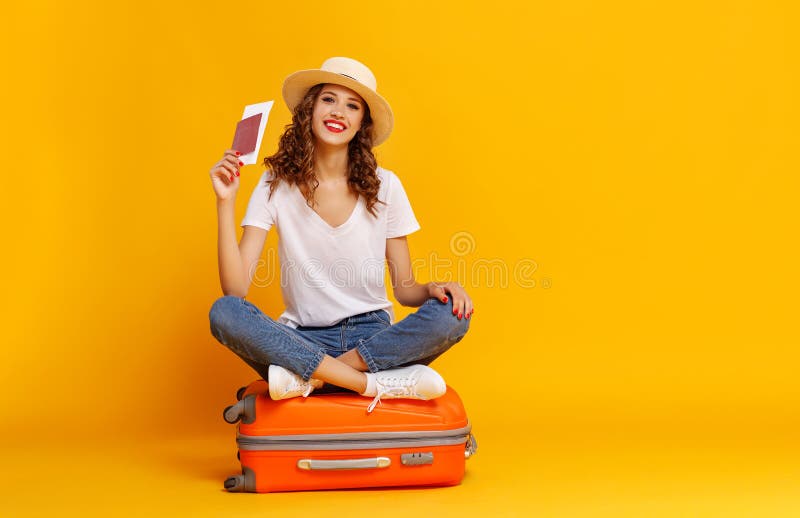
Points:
(643, 155)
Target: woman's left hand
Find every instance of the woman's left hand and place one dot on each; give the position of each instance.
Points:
(462, 304)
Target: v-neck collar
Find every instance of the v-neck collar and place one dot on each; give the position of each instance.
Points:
(321, 221)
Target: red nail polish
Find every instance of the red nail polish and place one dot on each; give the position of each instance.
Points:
(237, 153)
(237, 173)
(231, 178)
(241, 164)
(459, 316)
(445, 299)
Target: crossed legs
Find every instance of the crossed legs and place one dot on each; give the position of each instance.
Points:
(260, 341)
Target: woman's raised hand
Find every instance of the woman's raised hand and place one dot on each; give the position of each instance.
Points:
(225, 175)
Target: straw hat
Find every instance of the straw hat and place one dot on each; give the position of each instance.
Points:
(355, 76)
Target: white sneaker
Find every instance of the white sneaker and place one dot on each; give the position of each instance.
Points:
(284, 384)
(414, 382)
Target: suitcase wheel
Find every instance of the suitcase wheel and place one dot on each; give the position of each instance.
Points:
(244, 410)
(232, 414)
(235, 483)
(246, 482)
(240, 393)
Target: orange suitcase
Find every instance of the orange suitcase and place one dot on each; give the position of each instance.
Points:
(329, 441)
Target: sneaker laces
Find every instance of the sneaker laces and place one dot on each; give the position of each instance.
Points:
(297, 384)
(398, 387)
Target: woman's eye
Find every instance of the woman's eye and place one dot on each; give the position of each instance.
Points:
(327, 99)
(353, 106)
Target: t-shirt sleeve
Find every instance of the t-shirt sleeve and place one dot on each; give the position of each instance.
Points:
(260, 212)
(401, 219)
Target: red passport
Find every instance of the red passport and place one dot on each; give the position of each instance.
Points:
(244, 141)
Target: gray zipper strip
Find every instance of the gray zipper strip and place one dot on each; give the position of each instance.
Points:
(354, 441)
(349, 445)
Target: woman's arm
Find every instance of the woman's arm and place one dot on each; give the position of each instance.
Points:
(236, 262)
(409, 292)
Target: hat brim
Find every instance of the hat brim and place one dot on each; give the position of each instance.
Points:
(296, 86)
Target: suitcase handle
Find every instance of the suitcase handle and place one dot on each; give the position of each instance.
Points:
(470, 447)
(371, 463)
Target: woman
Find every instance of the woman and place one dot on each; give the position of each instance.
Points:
(339, 218)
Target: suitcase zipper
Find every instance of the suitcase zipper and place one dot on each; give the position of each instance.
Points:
(354, 441)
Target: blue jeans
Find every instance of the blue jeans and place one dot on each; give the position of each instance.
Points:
(260, 341)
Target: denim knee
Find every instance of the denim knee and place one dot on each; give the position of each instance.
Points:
(223, 310)
(451, 329)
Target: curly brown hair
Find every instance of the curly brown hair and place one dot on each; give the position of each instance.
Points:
(294, 160)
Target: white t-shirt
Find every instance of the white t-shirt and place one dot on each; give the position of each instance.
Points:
(331, 273)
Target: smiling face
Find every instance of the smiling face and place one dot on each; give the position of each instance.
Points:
(337, 116)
